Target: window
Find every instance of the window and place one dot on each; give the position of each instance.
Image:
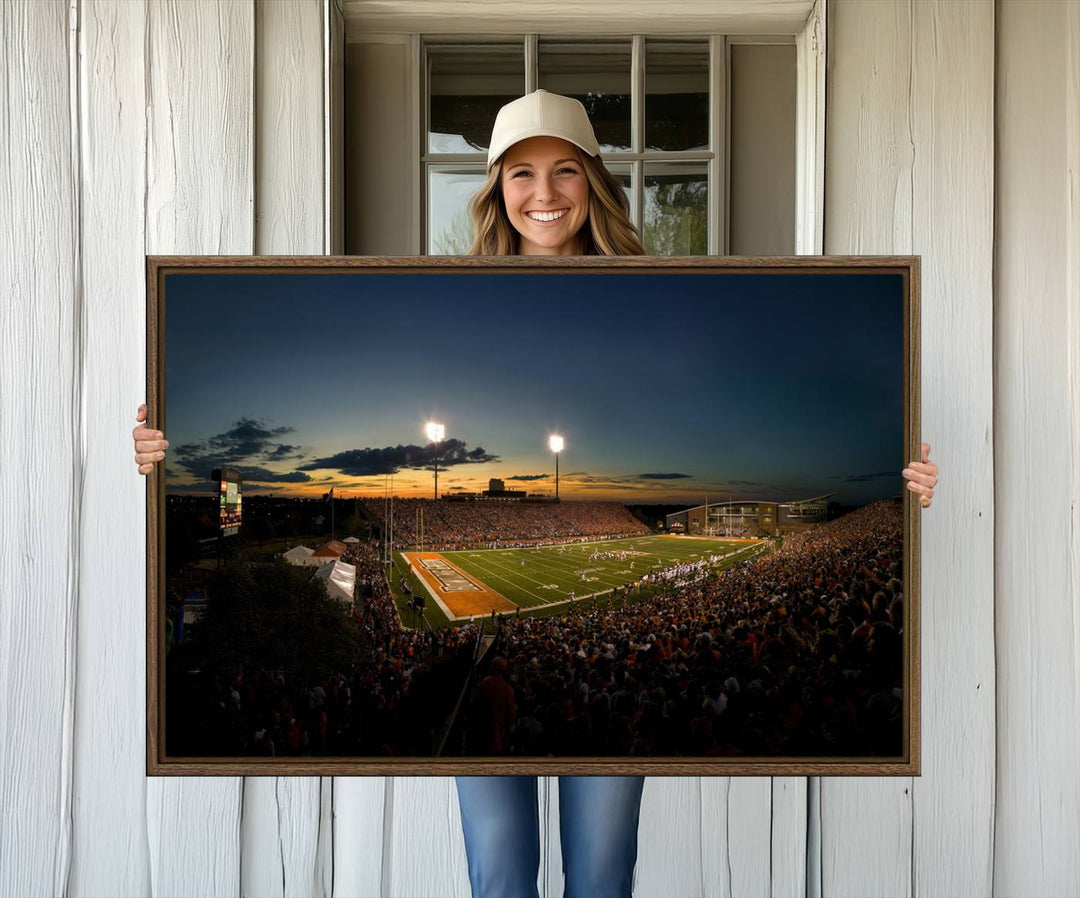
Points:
(659, 108)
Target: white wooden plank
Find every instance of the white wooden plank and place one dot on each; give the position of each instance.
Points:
(788, 842)
(866, 837)
(1072, 292)
(282, 815)
(810, 133)
(669, 838)
(551, 874)
(199, 182)
(199, 200)
(360, 808)
(280, 837)
(193, 830)
(1037, 819)
(736, 830)
(953, 230)
(749, 815)
(289, 127)
(110, 854)
(813, 837)
(715, 847)
(40, 434)
(424, 847)
(868, 152)
(334, 125)
(324, 851)
(866, 823)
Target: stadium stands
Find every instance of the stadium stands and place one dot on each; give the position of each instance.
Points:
(482, 524)
(798, 653)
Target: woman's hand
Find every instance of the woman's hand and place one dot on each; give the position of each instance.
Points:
(150, 444)
(922, 477)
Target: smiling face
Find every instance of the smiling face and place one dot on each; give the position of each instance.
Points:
(546, 195)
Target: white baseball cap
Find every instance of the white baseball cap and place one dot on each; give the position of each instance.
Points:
(541, 114)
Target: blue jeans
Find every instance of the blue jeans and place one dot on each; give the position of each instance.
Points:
(598, 822)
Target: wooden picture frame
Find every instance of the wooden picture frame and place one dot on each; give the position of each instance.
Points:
(787, 385)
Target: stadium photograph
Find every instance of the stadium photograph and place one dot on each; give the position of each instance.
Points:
(533, 516)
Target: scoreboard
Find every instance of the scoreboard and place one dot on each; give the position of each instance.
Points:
(229, 500)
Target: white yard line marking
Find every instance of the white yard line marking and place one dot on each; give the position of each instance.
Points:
(563, 566)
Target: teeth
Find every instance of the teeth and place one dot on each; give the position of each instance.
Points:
(547, 216)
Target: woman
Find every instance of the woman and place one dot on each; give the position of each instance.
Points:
(548, 193)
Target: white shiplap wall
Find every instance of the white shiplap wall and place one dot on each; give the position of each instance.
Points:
(40, 446)
(134, 127)
(110, 789)
(909, 169)
(1037, 363)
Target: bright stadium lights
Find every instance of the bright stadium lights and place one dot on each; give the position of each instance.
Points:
(556, 443)
(435, 433)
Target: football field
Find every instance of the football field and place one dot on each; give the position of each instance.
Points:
(477, 581)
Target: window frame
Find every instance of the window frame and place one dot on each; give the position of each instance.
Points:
(713, 159)
(810, 122)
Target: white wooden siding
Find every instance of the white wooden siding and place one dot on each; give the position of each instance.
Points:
(909, 150)
(40, 451)
(109, 844)
(134, 127)
(1037, 607)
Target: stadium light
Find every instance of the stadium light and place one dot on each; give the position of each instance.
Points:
(435, 433)
(556, 443)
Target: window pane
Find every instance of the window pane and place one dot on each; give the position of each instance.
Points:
(623, 174)
(676, 95)
(676, 209)
(466, 86)
(449, 191)
(597, 74)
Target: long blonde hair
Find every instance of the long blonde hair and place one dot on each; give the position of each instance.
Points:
(608, 230)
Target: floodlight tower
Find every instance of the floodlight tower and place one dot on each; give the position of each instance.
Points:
(435, 433)
(556, 443)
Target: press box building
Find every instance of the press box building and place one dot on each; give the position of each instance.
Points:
(751, 515)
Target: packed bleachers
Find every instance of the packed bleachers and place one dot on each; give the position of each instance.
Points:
(387, 703)
(797, 653)
(501, 524)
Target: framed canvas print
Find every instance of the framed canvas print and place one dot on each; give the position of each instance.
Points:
(533, 516)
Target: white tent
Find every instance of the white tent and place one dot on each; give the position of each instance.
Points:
(350, 539)
(340, 579)
(300, 555)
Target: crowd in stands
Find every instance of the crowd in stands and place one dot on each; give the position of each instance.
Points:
(796, 653)
(502, 524)
(388, 703)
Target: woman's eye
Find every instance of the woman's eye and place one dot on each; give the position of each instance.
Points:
(567, 171)
(522, 173)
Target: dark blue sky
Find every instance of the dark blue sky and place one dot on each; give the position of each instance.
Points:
(666, 387)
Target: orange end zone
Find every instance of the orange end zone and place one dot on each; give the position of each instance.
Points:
(440, 575)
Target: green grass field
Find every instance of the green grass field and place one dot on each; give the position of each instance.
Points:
(540, 580)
